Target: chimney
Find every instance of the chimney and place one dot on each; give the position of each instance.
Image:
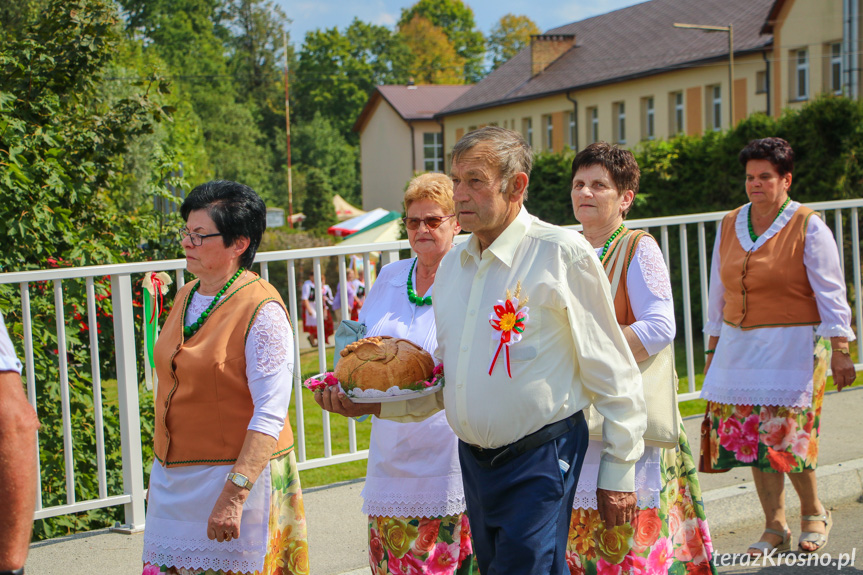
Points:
(546, 48)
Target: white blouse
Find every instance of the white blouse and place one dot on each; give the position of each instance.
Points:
(413, 468)
(742, 372)
(649, 288)
(182, 498)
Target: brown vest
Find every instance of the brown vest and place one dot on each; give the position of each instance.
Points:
(768, 287)
(622, 306)
(203, 404)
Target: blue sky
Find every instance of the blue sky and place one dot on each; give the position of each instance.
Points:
(312, 14)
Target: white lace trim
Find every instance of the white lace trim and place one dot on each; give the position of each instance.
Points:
(769, 396)
(653, 269)
(835, 330)
(177, 542)
(452, 504)
(221, 560)
(268, 333)
(413, 497)
(647, 498)
(197, 306)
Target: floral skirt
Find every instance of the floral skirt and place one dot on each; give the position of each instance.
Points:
(439, 546)
(771, 438)
(287, 548)
(673, 538)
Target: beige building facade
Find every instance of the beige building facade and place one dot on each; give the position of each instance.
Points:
(631, 75)
(400, 138)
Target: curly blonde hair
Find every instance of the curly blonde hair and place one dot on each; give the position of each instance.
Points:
(433, 186)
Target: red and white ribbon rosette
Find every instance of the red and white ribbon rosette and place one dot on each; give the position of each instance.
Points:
(509, 320)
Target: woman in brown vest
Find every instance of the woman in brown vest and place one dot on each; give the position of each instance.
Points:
(669, 532)
(777, 314)
(224, 490)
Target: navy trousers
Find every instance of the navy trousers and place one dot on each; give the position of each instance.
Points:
(519, 512)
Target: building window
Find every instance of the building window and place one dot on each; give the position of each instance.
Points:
(433, 152)
(801, 74)
(675, 114)
(549, 133)
(648, 119)
(835, 84)
(592, 125)
(527, 130)
(620, 122)
(761, 82)
(714, 108)
(572, 136)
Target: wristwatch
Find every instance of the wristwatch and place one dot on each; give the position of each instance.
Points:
(19, 571)
(237, 479)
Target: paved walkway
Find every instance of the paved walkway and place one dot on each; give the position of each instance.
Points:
(337, 527)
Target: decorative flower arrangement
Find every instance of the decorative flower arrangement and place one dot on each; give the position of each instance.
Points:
(328, 379)
(509, 320)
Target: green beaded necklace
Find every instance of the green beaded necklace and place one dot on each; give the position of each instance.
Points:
(752, 235)
(412, 295)
(611, 239)
(190, 330)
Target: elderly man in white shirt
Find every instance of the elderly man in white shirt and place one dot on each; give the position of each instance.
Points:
(528, 338)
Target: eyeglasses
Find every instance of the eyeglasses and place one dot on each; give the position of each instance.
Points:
(431, 222)
(197, 239)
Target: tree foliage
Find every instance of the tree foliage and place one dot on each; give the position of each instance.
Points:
(320, 146)
(456, 20)
(435, 59)
(508, 37)
(337, 71)
(318, 203)
(63, 137)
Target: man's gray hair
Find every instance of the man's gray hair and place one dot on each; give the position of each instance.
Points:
(506, 148)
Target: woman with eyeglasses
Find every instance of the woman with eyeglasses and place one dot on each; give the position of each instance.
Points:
(413, 493)
(224, 488)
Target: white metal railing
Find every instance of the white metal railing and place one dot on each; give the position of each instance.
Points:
(693, 276)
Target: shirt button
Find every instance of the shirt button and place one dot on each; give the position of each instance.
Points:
(166, 403)
(473, 312)
(464, 348)
(460, 386)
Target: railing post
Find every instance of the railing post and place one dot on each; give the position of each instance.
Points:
(127, 398)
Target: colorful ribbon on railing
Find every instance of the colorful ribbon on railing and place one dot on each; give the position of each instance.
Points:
(155, 287)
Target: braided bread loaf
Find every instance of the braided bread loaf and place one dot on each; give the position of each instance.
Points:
(381, 362)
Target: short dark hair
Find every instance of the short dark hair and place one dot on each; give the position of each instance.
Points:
(236, 209)
(620, 163)
(775, 150)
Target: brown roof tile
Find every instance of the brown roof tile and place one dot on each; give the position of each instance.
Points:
(420, 102)
(627, 43)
